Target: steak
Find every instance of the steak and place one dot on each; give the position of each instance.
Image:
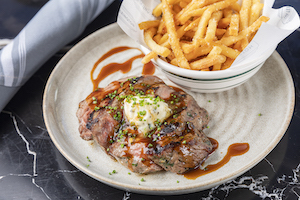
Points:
(174, 142)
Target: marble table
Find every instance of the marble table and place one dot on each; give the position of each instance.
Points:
(31, 167)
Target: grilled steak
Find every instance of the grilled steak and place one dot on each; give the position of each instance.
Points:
(146, 125)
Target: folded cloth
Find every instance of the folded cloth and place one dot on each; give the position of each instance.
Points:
(56, 24)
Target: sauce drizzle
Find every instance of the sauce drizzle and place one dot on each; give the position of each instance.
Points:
(148, 69)
(214, 143)
(124, 67)
(235, 149)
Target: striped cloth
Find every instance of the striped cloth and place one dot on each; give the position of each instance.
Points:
(56, 24)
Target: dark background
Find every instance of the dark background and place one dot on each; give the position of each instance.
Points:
(39, 171)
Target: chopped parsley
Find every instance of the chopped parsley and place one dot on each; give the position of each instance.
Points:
(113, 172)
(88, 159)
(150, 145)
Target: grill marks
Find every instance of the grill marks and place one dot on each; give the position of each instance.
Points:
(177, 145)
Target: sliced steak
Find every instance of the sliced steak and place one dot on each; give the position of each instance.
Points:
(86, 108)
(175, 143)
(134, 157)
(83, 113)
(183, 153)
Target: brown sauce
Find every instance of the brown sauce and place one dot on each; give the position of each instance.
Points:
(148, 69)
(100, 93)
(125, 67)
(177, 89)
(214, 143)
(233, 150)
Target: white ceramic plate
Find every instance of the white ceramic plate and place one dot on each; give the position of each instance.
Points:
(234, 116)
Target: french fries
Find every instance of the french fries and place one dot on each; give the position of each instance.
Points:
(160, 50)
(173, 38)
(204, 35)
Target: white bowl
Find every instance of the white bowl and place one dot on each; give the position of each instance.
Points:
(210, 81)
(212, 85)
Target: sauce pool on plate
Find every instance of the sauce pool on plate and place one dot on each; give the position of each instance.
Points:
(125, 67)
(235, 149)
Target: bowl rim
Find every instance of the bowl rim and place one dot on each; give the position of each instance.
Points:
(207, 74)
(212, 79)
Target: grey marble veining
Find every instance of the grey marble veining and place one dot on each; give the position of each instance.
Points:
(37, 172)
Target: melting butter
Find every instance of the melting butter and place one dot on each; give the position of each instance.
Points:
(146, 112)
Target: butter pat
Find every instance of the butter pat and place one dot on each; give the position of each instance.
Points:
(146, 112)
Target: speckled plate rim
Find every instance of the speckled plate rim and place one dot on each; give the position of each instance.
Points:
(157, 190)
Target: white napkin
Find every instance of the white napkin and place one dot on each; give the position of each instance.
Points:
(56, 24)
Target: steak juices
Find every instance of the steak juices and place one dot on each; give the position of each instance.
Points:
(146, 125)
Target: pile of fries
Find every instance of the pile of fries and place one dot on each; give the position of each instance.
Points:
(201, 35)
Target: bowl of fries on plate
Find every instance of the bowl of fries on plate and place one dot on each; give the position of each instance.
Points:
(196, 42)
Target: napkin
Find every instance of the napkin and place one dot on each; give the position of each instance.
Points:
(282, 23)
(56, 24)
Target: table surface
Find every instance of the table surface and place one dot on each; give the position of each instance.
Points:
(31, 165)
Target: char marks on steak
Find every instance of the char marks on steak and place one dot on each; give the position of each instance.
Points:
(176, 144)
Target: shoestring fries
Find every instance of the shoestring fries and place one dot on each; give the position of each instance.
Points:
(204, 35)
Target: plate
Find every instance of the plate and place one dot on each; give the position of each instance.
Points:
(257, 112)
